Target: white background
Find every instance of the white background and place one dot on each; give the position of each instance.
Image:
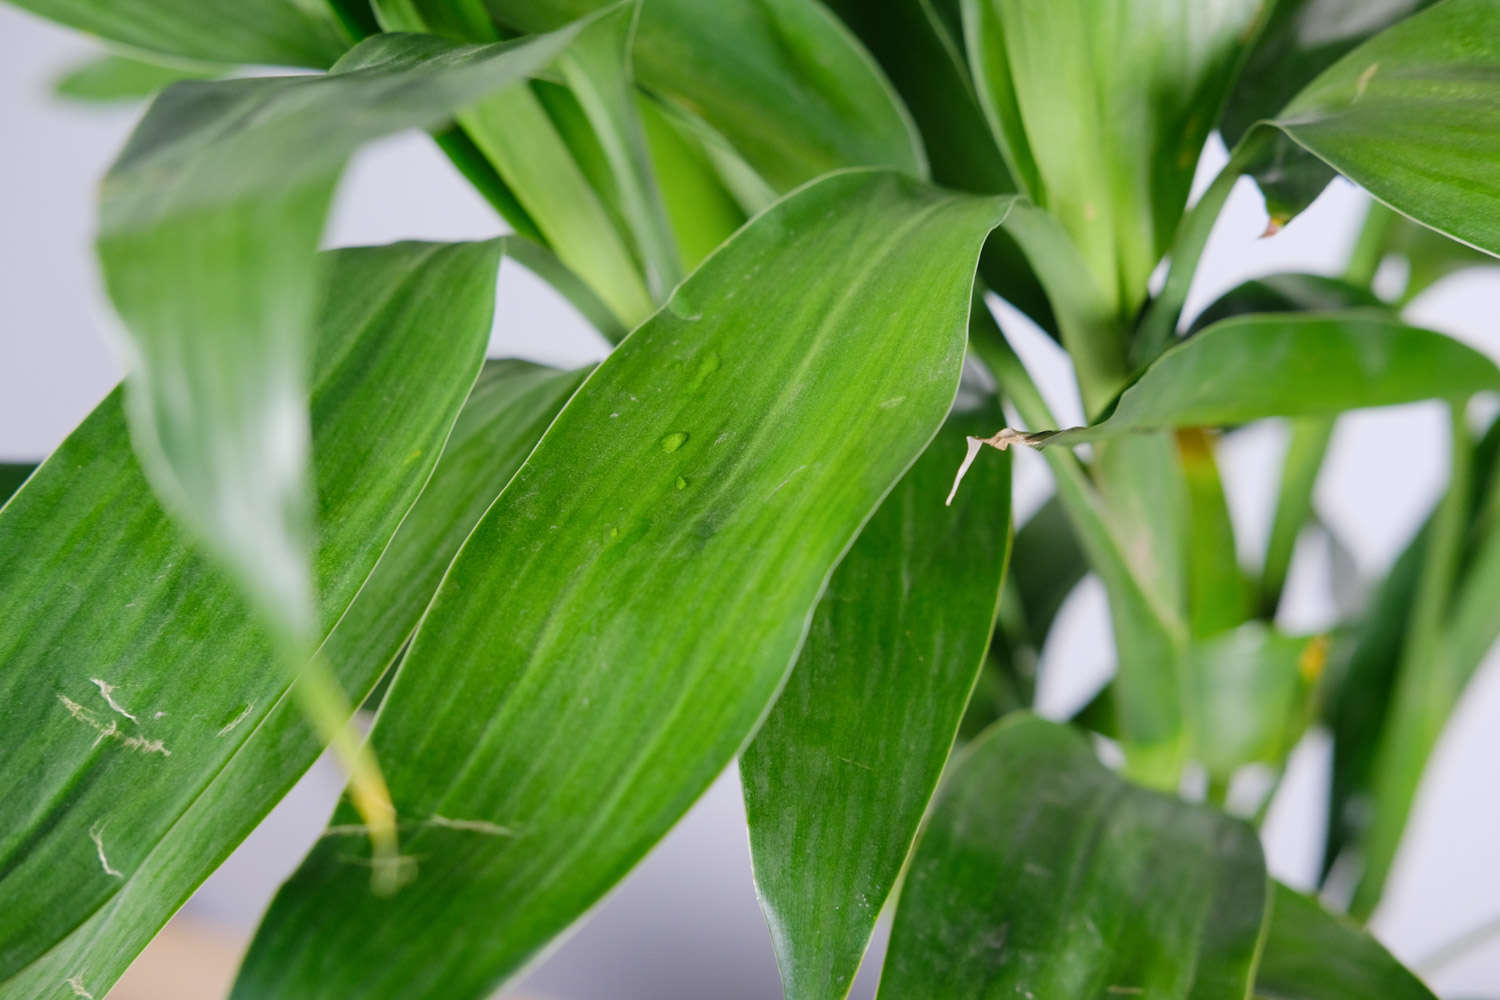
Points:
(686, 925)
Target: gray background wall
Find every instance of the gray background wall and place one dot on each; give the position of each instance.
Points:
(685, 925)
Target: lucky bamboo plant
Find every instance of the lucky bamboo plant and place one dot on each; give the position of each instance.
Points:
(573, 598)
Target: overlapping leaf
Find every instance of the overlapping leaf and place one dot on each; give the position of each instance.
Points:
(1310, 954)
(841, 771)
(138, 671)
(1043, 873)
(1137, 84)
(1297, 365)
(1413, 115)
(781, 80)
(619, 622)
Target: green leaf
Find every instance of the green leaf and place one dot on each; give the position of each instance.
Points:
(1136, 83)
(1413, 116)
(273, 32)
(209, 224)
(505, 414)
(536, 162)
(1287, 293)
(841, 771)
(640, 641)
(1301, 39)
(1043, 873)
(781, 80)
(1296, 365)
(1253, 696)
(135, 662)
(120, 78)
(1310, 954)
(702, 210)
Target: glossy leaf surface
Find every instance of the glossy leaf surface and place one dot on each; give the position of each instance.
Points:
(505, 414)
(1137, 83)
(1300, 40)
(1311, 954)
(1042, 872)
(782, 80)
(274, 32)
(133, 658)
(1302, 365)
(209, 224)
(841, 771)
(1413, 115)
(575, 688)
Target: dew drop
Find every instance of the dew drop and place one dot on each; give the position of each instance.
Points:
(681, 483)
(706, 368)
(673, 441)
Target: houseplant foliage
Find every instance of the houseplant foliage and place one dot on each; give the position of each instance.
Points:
(578, 596)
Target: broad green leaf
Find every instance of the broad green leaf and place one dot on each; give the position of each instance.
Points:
(1311, 954)
(781, 80)
(1252, 689)
(138, 668)
(574, 688)
(1413, 115)
(702, 211)
(1136, 83)
(1295, 365)
(505, 414)
(1042, 873)
(842, 769)
(1287, 293)
(121, 78)
(1300, 40)
(12, 475)
(209, 225)
(274, 32)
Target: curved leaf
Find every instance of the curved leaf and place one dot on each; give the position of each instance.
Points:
(781, 80)
(617, 625)
(1310, 954)
(1294, 365)
(1043, 873)
(505, 414)
(273, 32)
(120, 78)
(134, 662)
(1301, 39)
(841, 771)
(1413, 115)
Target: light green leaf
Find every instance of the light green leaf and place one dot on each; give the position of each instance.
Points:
(1136, 83)
(841, 771)
(1413, 115)
(574, 688)
(505, 414)
(1296, 365)
(1300, 40)
(1310, 954)
(273, 32)
(702, 210)
(209, 225)
(1043, 873)
(781, 80)
(120, 78)
(536, 163)
(1252, 689)
(135, 663)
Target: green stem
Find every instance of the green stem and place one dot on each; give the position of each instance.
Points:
(1158, 326)
(1299, 475)
(1370, 246)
